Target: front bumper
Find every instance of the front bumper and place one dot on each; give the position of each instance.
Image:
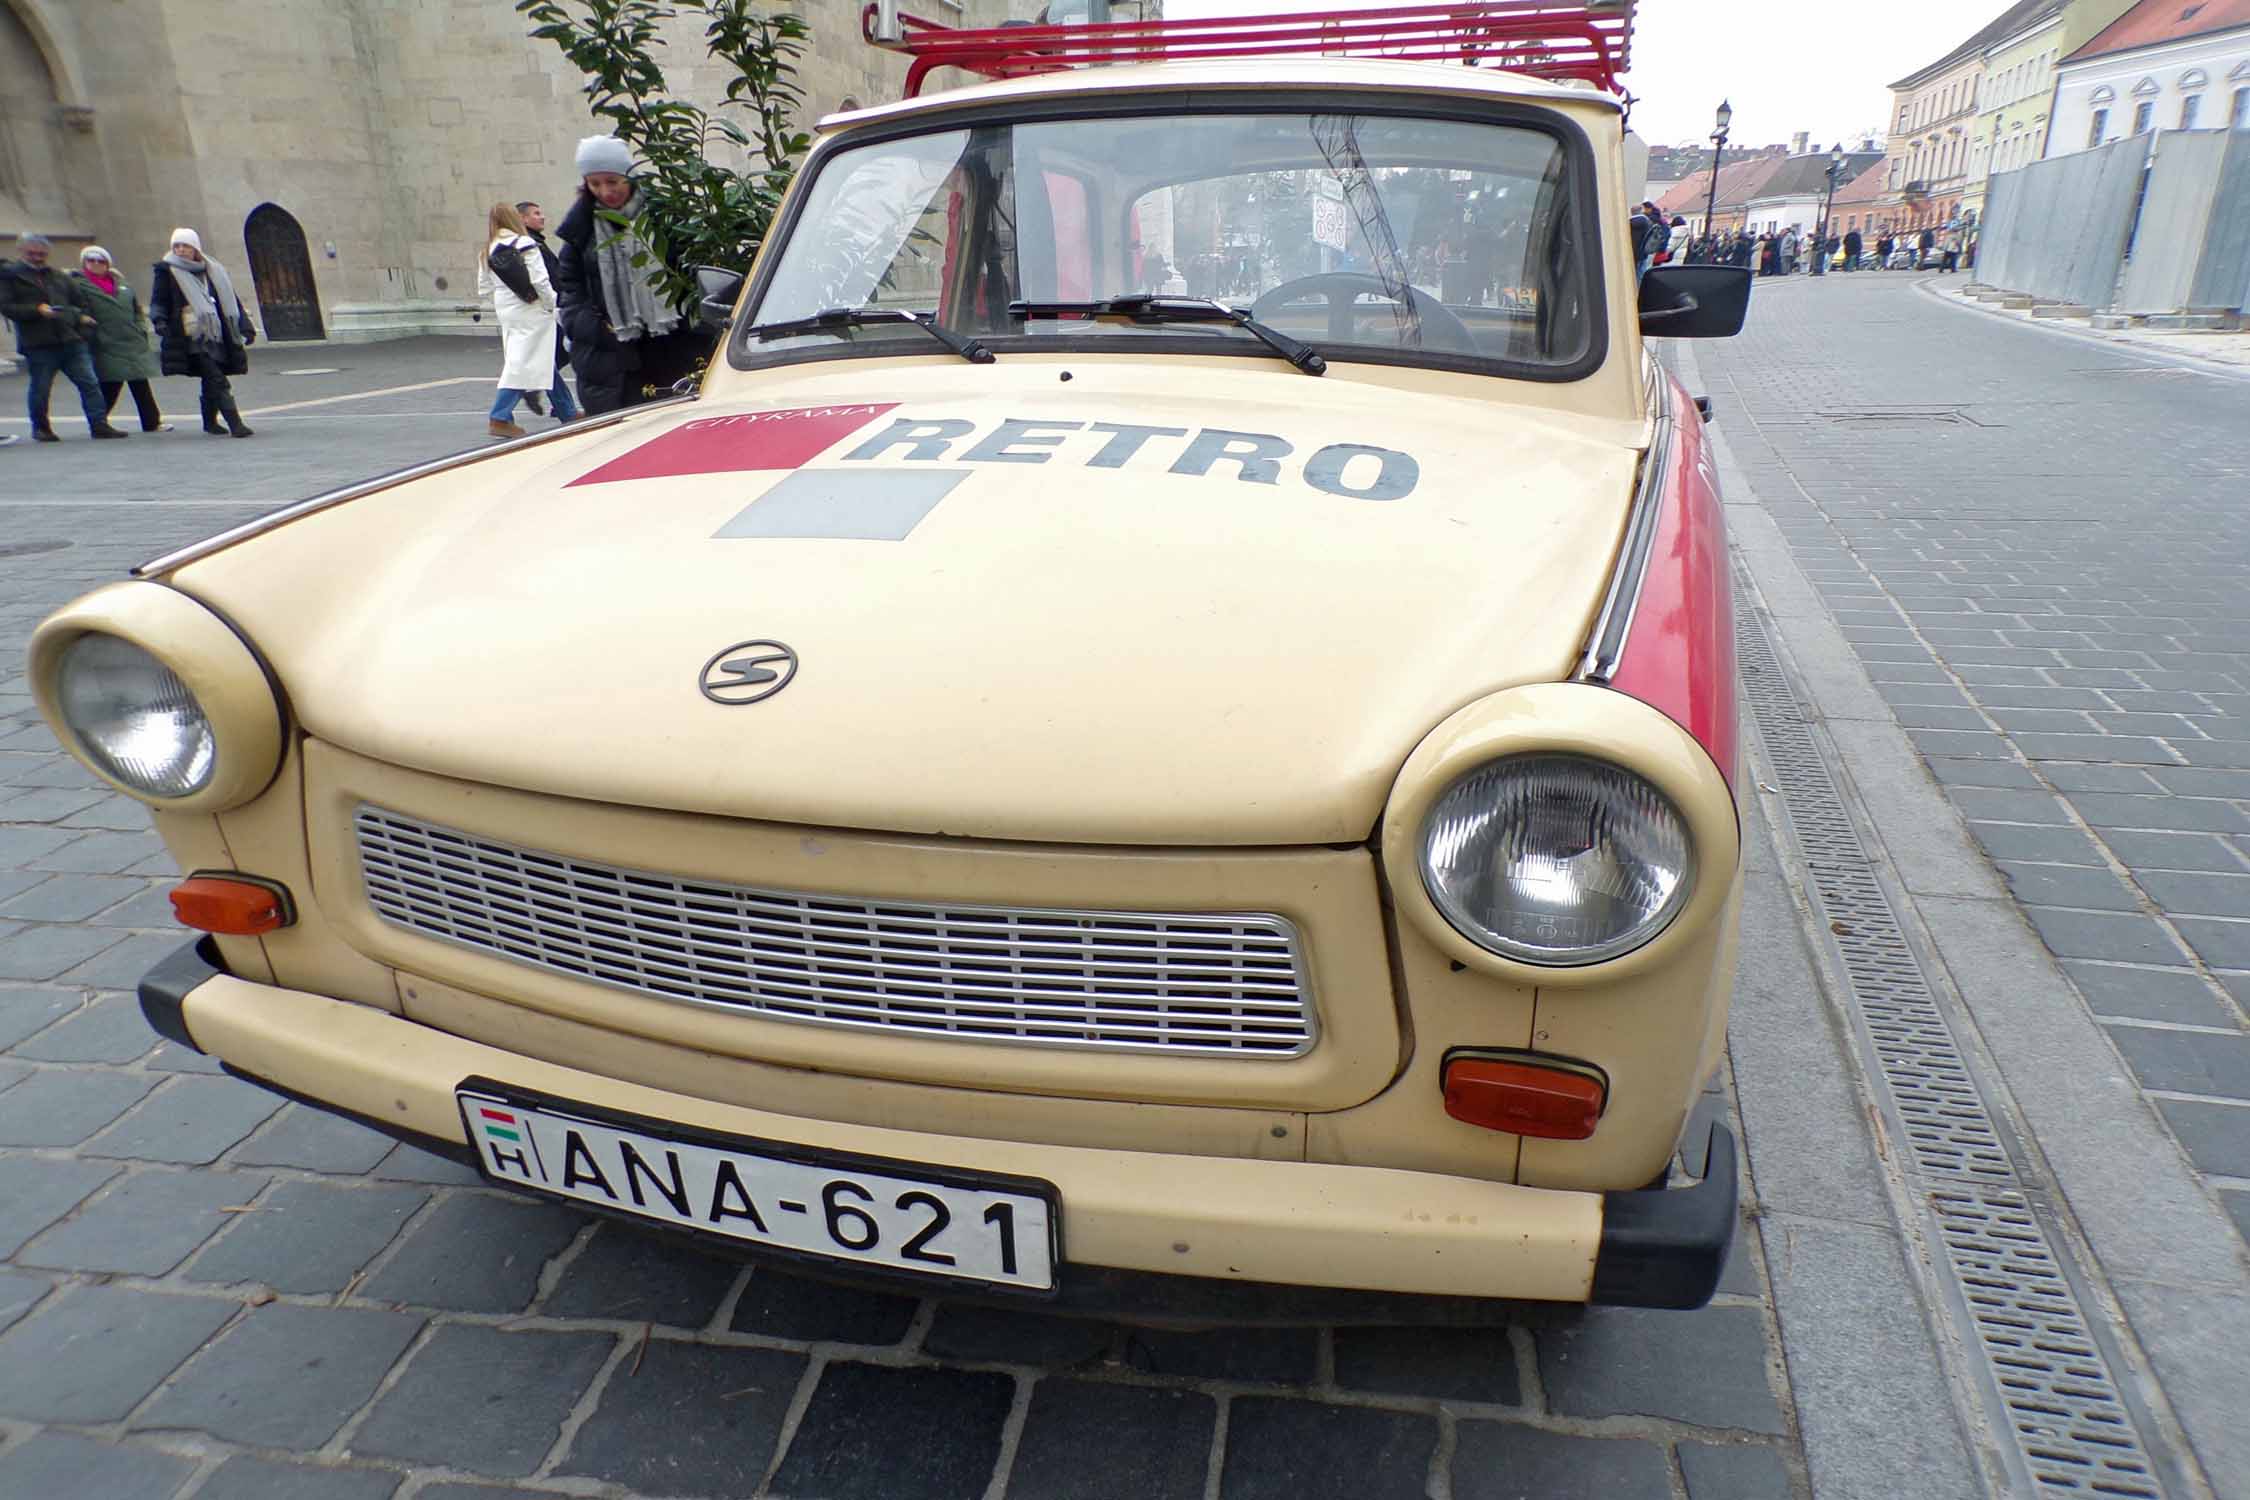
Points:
(1262, 1226)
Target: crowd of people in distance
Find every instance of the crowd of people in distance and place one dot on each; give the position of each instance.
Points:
(593, 300)
(1784, 252)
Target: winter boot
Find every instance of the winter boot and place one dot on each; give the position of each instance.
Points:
(235, 423)
(45, 435)
(107, 431)
(211, 423)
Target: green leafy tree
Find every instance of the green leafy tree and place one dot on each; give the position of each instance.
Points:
(694, 211)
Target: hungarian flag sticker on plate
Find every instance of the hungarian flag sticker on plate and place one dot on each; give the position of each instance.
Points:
(885, 1214)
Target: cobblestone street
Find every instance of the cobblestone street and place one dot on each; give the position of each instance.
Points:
(2015, 549)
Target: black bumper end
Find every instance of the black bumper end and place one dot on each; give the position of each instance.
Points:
(164, 989)
(1665, 1247)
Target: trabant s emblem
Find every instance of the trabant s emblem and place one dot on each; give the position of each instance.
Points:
(748, 672)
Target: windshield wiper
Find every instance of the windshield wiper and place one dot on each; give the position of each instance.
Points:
(835, 319)
(1149, 307)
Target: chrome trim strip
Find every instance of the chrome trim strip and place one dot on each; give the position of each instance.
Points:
(365, 487)
(1211, 984)
(1606, 645)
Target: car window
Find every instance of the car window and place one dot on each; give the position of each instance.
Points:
(1391, 234)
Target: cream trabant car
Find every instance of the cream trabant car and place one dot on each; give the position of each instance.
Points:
(1162, 723)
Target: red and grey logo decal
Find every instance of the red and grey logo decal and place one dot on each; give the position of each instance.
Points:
(735, 444)
(882, 487)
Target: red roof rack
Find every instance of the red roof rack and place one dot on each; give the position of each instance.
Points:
(1548, 40)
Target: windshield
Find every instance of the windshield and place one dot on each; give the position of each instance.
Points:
(1375, 236)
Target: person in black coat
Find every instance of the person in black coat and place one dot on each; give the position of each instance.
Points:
(201, 329)
(1853, 245)
(627, 342)
(535, 224)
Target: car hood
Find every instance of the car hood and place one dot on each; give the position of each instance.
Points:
(1090, 603)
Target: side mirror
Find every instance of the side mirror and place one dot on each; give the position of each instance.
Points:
(1694, 302)
(720, 289)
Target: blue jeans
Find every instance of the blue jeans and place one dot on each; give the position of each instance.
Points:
(563, 404)
(75, 361)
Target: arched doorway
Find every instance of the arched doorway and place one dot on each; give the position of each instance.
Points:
(281, 270)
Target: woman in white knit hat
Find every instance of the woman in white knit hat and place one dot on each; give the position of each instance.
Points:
(627, 341)
(201, 329)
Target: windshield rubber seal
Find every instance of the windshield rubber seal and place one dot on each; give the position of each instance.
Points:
(1578, 168)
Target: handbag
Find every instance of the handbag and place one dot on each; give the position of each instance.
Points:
(506, 262)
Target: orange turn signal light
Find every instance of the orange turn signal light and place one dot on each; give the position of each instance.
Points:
(1524, 1097)
(232, 904)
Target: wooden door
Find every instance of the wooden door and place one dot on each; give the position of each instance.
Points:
(281, 269)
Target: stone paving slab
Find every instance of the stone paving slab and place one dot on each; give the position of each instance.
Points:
(297, 1307)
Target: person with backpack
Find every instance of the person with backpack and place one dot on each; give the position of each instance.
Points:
(513, 274)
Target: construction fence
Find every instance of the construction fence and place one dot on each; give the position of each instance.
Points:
(2153, 224)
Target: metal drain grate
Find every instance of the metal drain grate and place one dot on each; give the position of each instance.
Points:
(2045, 1377)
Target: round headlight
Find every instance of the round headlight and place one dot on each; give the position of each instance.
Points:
(1556, 860)
(134, 718)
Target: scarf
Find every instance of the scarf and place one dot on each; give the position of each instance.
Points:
(635, 309)
(207, 291)
(107, 281)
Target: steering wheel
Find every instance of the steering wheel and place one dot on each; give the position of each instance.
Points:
(1342, 289)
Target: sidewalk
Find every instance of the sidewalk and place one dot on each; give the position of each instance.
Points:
(2229, 349)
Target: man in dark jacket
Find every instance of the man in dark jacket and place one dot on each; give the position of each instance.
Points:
(52, 324)
(1853, 244)
(624, 354)
(535, 224)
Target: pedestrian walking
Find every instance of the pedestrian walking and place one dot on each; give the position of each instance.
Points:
(53, 324)
(122, 356)
(627, 342)
(1922, 244)
(513, 274)
(1789, 248)
(535, 224)
(201, 329)
(1950, 252)
(1883, 251)
(1853, 244)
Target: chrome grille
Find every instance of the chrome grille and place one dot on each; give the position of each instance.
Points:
(1202, 982)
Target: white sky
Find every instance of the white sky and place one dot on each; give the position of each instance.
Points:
(1785, 65)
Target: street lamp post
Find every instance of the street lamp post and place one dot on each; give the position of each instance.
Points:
(1827, 207)
(1718, 150)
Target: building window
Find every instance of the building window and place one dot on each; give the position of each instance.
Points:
(2189, 108)
(2143, 114)
(2101, 128)
(2240, 118)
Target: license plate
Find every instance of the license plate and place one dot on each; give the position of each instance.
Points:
(890, 1214)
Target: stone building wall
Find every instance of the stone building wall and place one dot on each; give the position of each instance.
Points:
(385, 128)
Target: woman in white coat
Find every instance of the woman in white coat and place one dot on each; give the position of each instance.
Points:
(514, 275)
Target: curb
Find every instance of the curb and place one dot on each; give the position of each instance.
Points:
(2184, 358)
